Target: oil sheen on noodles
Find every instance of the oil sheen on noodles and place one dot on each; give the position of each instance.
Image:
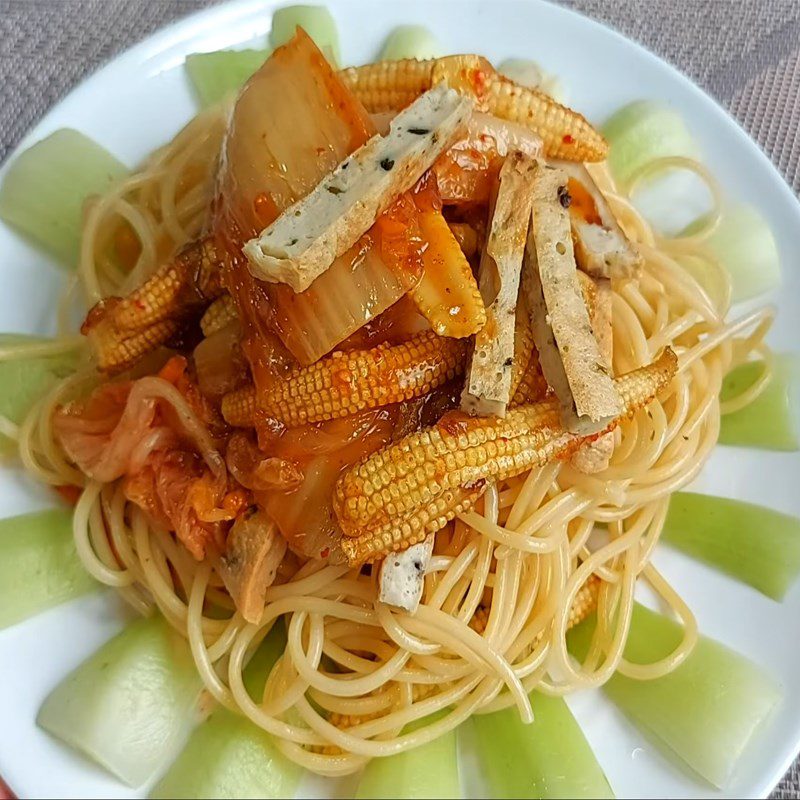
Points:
(522, 558)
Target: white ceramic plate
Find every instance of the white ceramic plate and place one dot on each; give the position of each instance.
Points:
(142, 98)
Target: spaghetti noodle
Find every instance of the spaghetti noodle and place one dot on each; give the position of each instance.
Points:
(504, 578)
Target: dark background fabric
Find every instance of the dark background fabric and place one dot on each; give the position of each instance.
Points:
(745, 53)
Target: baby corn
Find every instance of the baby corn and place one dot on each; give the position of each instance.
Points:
(124, 330)
(218, 315)
(392, 85)
(419, 692)
(396, 496)
(583, 604)
(168, 291)
(392, 535)
(389, 85)
(346, 382)
(239, 407)
(117, 351)
(447, 294)
(532, 385)
(565, 133)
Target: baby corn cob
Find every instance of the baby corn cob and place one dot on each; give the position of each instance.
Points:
(346, 382)
(395, 497)
(583, 604)
(239, 407)
(393, 535)
(447, 294)
(532, 385)
(117, 351)
(419, 691)
(565, 133)
(524, 347)
(221, 312)
(124, 330)
(168, 290)
(391, 85)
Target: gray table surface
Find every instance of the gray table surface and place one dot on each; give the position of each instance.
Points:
(745, 53)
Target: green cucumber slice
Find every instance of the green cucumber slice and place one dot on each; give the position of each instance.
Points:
(641, 132)
(130, 706)
(316, 21)
(23, 381)
(753, 544)
(410, 41)
(39, 567)
(229, 756)
(770, 421)
(427, 771)
(550, 758)
(703, 714)
(44, 190)
(217, 75)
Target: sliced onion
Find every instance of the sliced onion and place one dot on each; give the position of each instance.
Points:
(220, 363)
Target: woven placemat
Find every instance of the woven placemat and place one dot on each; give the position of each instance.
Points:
(745, 53)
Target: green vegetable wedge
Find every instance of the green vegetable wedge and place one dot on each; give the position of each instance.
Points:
(130, 706)
(23, 381)
(428, 771)
(751, 543)
(39, 567)
(411, 41)
(549, 758)
(229, 756)
(744, 244)
(43, 192)
(704, 713)
(641, 132)
(217, 75)
(316, 21)
(770, 421)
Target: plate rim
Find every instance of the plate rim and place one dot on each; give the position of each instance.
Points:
(224, 14)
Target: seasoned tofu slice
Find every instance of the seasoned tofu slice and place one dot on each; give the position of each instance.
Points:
(488, 386)
(402, 576)
(594, 456)
(601, 247)
(306, 238)
(568, 351)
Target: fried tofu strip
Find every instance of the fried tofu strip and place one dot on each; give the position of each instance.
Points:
(488, 388)
(309, 235)
(601, 247)
(528, 383)
(568, 351)
(594, 457)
